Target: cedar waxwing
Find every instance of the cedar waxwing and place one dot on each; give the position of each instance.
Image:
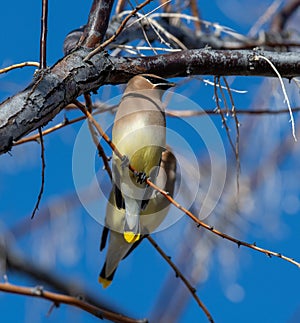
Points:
(150, 219)
(139, 132)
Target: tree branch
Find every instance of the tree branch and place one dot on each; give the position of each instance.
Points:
(182, 277)
(70, 292)
(70, 77)
(43, 37)
(58, 299)
(96, 27)
(280, 20)
(210, 62)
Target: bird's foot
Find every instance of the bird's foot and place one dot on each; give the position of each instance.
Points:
(124, 161)
(140, 177)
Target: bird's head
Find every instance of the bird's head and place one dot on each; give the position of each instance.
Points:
(148, 82)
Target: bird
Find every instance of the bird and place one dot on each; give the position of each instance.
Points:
(151, 218)
(139, 133)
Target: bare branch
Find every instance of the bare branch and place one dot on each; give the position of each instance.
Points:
(35, 137)
(264, 17)
(101, 152)
(115, 35)
(221, 112)
(193, 113)
(71, 292)
(169, 112)
(120, 6)
(19, 65)
(196, 13)
(50, 92)
(98, 21)
(237, 130)
(57, 299)
(181, 276)
(280, 20)
(286, 98)
(211, 62)
(43, 37)
(101, 108)
(43, 174)
(239, 243)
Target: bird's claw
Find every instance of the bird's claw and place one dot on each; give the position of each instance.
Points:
(124, 161)
(141, 177)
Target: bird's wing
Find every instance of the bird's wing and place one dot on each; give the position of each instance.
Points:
(104, 236)
(120, 203)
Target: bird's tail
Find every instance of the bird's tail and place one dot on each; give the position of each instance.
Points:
(104, 280)
(118, 248)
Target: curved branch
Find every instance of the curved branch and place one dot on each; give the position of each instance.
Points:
(96, 27)
(51, 90)
(70, 292)
(280, 20)
(58, 299)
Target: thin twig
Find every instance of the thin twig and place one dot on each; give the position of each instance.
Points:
(220, 87)
(182, 277)
(167, 5)
(63, 124)
(280, 20)
(220, 111)
(120, 6)
(93, 133)
(145, 15)
(19, 65)
(167, 34)
(170, 113)
(219, 28)
(100, 130)
(119, 30)
(286, 98)
(43, 37)
(209, 82)
(195, 13)
(144, 31)
(194, 113)
(151, 24)
(265, 17)
(42, 175)
(138, 48)
(57, 299)
(253, 246)
(183, 209)
(35, 137)
(237, 138)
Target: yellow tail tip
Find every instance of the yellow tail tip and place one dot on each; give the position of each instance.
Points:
(104, 282)
(131, 237)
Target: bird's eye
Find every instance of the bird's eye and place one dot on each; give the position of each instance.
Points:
(154, 80)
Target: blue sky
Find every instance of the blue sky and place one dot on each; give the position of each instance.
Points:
(237, 285)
